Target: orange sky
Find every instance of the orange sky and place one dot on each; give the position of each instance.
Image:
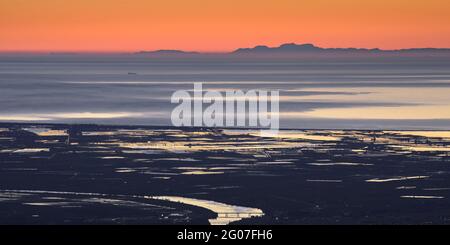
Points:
(220, 25)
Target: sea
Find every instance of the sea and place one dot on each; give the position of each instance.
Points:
(408, 93)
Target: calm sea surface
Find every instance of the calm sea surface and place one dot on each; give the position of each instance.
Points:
(135, 89)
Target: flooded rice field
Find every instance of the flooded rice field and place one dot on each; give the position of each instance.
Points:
(89, 174)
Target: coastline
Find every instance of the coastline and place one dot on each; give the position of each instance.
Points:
(123, 125)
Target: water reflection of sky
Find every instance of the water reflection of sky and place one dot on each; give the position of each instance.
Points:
(395, 95)
(417, 103)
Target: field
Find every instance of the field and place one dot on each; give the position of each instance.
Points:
(91, 174)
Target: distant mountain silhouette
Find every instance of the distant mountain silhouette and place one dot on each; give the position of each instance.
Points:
(166, 52)
(287, 47)
(293, 49)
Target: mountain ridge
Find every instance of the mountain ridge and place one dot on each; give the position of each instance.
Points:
(308, 47)
(293, 48)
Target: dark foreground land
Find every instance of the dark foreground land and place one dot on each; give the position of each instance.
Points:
(72, 174)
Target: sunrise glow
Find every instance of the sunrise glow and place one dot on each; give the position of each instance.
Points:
(216, 26)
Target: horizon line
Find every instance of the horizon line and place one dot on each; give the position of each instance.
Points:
(89, 51)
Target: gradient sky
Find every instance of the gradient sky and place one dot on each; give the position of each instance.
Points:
(220, 25)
